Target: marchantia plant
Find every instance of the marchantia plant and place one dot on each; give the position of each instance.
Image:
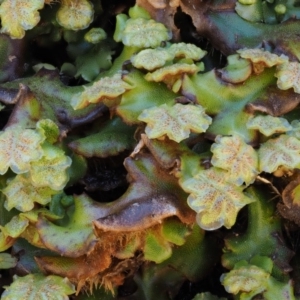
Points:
(150, 150)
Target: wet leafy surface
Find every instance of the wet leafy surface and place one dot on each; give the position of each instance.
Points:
(149, 151)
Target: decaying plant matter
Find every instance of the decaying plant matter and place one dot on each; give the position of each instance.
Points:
(149, 150)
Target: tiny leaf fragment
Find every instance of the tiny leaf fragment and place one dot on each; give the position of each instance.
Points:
(24, 14)
(22, 195)
(95, 35)
(143, 33)
(15, 226)
(7, 261)
(288, 75)
(48, 129)
(151, 59)
(37, 286)
(261, 59)
(176, 121)
(51, 169)
(247, 279)
(295, 130)
(237, 70)
(185, 50)
(75, 14)
(282, 151)
(235, 156)
(250, 279)
(269, 125)
(105, 88)
(215, 200)
(19, 147)
(170, 74)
